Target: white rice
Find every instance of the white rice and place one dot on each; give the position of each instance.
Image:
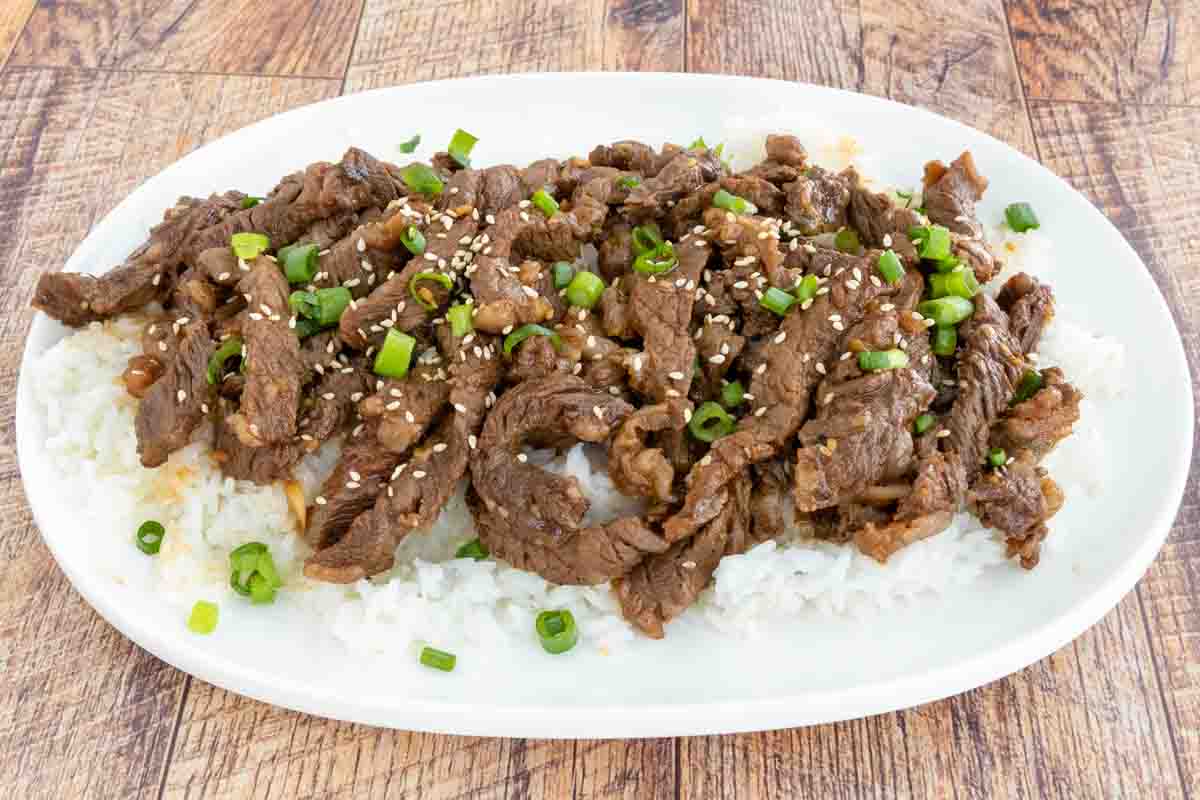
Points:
(430, 595)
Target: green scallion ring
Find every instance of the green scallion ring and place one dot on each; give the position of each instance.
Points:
(647, 238)
(923, 423)
(658, 261)
(807, 289)
(997, 457)
(421, 179)
(203, 619)
(874, 361)
(460, 319)
(890, 267)
(299, 262)
(935, 243)
(556, 631)
(413, 240)
(542, 199)
(410, 145)
(1029, 385)
(149, 537)
(395, 357)
(946, 311)
(249, 246)
(846, 241)
(472, 549)
(585, 289)
(777, 301)
(629, 181)
(438, 659)
(733, 394)
(945, 340)
(331, 304)
(563, 273)
(1020, 217)
(216, 363)
(710, 422)
(428, 303)
(250, 201)
(731, 202)
(461, 145)
(525, 331)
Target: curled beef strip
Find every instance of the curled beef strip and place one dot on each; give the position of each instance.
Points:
(637, 468)
(179, 400)
(950, 194)
(504, 302)
(880, 222)
(1039, 423)
(350, 490)
(1017, 499)
(679, 177)
(405, 409)
(1030, 307)
(937, 493)
(817, 201)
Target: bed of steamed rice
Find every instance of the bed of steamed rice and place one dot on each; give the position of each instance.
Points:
(430, 595)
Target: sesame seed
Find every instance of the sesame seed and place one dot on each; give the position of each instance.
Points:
(943, 433)
(320, 500)
(460, 408)
(522, 457)
(409, 417)
(887, 307)
(472, 440)
(204, 408)
(717, 359)
(420, 473)
(675, 376)
(760, 369)
(672, 393)
(780, 337)
(760, 411)
(328, 396)
(181, 395)
(821, 367)
(887, 240)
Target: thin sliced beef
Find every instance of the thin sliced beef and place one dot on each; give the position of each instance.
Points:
(937, 494)
(817, 201)
(220, 265)
(615, 252)
(179, 400)
(361, 471)
(951, 194)
(503, 301)
(1030, 307)
(633, 156)
(679, 177)
(1042, 421)
(718, 346)
(880, 222)
(403, 410)
(636, 467)
(1017, 499)
(140, 374)
(262, 465)
(976, 255)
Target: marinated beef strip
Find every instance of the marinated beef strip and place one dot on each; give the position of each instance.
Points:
(636, 467)
(1017, 499)
(950, 194)
(179, 400)
(262, 465)
(533, 518)
(818, 200)
(404, 410)
(275, 371)
(680, 176)
(880, 222)
(419, 489)
(1030, 307)
(938, 492)
(147, 274)
(789, 365)
(1041, 422)
(633, 156)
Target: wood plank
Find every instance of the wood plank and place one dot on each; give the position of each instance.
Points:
(1108, 50)
(515, 36)
(13, 15)
(264, 37)
(965, 71)
(83, 711)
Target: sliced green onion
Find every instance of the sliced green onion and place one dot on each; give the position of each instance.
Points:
(871, 361)
(472, 549)
(203, 618)
(1021, 218)
(658, 261)
(946, 310)
(710, 422)
(905, 196)
(299, 262)
(542, 199)
(307, 327)
(629, 181)
(149, 537)
(460, 319)
(525, 331)
(438, 659)
(807, 289)
(777, 301)
(847, 241)
(244, 558)
(251, 201)
(922, 423)
(563, 273)
(421, 179)
(934, 241)
(216, 362)
(945, 340)
(733, 394)
(698, 144)
(413, 240)
(461, 145)
(647, 238)
(331, 304)
(253, 574)
(261, 590)
(556, 630)
(890, 267)
(394, 358)
(249, 246)
(1029, 385)
(410, 145)
(585, 289)
(997, 457)
(960, 283)
(947, 264)
(428, 302)
(731, 202)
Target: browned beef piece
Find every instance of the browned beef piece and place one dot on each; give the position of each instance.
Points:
(324, 232)
(633, 156)
(766, 196)
(1017, 499)
(679, 177)
(615, 252)
(330, 406)
(178, 401)
(1042, 421)
(605, 363)
(140, 374)
(403, 410)
(195, 296)
(220, 265)
(817, 201)
(523, 233)
(370, 253)
(361, 471)
(975, 254)
(533, 518)
(614, 311)
(76, 299)
(541, 174)
(841, 523)
(536, 359)
(418, 489)
(951, 194)
(1030, 307)
(503, 301)
(275, 371)
(769, 501)
(717, 347)
(880, 222)
(786, 149)
(636, 467)
(262, 465)
(940, 485)
(880, 542)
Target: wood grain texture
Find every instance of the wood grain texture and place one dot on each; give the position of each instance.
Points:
(956, 61)
(311, 38)
(1144, 51)
(13, 15)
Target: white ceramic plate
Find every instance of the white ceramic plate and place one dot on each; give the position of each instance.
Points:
(696, 681)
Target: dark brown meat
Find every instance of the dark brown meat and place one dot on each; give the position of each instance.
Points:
(220, 265)
(1017, 499)
(637, 468)
(817, 201)
(361, 471)
(951, 194)
(140, 374)
(976, 255)
(179, 400)
(632, 156)
(786, 149)
(615, 251)
(503, 301)
(1042, 421)
(403, 410)
(262, 465)
(880, 222)
(682, 175)
(1030, 307)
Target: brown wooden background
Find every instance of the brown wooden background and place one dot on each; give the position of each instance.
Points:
(98, 95)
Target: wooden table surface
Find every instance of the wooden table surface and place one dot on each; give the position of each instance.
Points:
(96, 96)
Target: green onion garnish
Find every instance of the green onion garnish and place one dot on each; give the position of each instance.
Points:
(556, 630)
(410, 145)
(890, 267)
(307, 327)
(658, 261)
(324, 306)
(905, 196)
(460, 319)
(421, 179)
(807, 289)
(710, 422)
(424, 296)
(563, 273)
(945, 340)
(960, 283)
(542, 199)
(1029, 385)
(203, 618)
(216, 363)
(699, 143)
(647, 238)
(1021, 218)
(525, 331)
(871, 361)
(731, 202)
(250, 201)
(629, 181)
(585, 289)
(461, 145)
(299, 262)
(394, 358)
(934, 241)
(413, 240)
(438, 659)
(777, 301)
(947, 264)
(253, 574)
(733, 394)
(472, 549)
(149, 537)
(946, 310)
(997, 457)
(847, 241)
(922, 423)
(249, 246)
